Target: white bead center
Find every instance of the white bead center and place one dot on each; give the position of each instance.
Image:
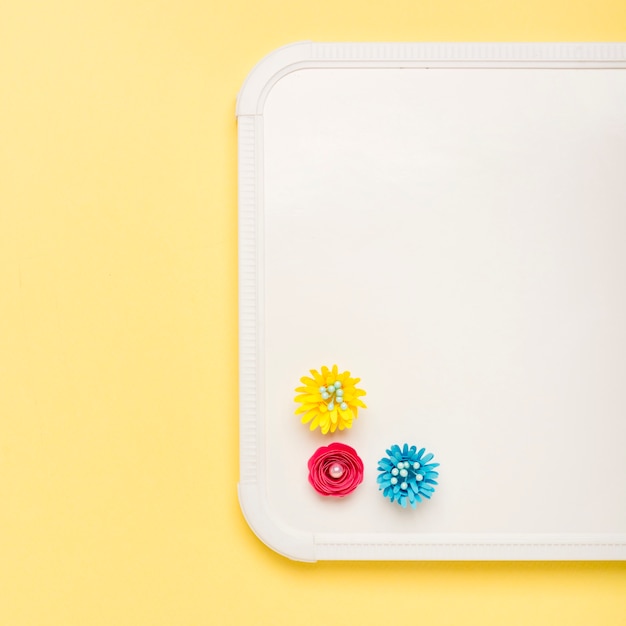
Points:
(336, 470)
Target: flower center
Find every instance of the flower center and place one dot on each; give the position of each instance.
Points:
(403, 471)
(333, 394)
(336, 470)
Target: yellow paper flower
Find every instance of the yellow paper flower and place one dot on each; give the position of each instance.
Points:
(329, 400)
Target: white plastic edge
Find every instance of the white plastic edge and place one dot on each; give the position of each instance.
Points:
(285, 541)
(309, 55)
(280, 538)
(304, 546)
(467, 547)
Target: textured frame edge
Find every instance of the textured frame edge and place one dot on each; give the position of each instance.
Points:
(286, 59)
(285, 541)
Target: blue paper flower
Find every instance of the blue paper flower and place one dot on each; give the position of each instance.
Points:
(406, 476)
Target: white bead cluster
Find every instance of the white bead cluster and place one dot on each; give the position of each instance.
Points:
(402, 470)
(332, 394)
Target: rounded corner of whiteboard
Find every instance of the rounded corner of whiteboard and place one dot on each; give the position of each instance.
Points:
(295, 545)
(265, 72)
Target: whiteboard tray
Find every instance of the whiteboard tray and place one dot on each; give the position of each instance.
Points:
(447, 222)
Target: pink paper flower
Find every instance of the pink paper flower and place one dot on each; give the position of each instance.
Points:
(335, 470)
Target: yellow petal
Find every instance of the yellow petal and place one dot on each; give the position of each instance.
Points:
(317, 377)
(305, 390)
(307, 397)
(358, 402)
(333, 415)
(304, 408)
(307, 417)
(307, 380)
(315, 423)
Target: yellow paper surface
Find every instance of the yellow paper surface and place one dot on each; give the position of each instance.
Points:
(118, 324)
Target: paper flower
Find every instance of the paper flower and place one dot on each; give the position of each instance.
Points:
(329, 400)
(406, 475)
(335, 470)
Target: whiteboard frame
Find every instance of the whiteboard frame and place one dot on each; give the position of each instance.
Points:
(250, 105)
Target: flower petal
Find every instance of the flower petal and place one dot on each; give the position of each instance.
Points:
(307, 417)
(304, 408)
(333, 416)
(307, 397)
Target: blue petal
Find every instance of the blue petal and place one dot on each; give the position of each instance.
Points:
(419, 454)
(427, 458)
(405, 449)
(430, 466)
(385, 464)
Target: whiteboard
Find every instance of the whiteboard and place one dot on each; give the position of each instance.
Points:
(447, 222)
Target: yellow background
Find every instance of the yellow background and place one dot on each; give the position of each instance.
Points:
(118, 324)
